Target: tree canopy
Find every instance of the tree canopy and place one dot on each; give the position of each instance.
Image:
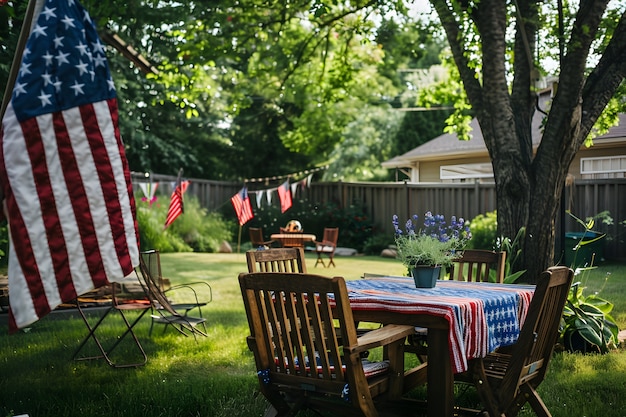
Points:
(317, 81)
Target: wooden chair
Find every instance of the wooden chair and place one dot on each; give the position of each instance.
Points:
(163, 311)
(508, 378)
(257, 239)
(474, 266)
(327, 246)
(276, 260)
(299, 361)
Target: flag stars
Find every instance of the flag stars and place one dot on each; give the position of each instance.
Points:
(25, 69)
(48, 58)
(47, 79)
(49, 12)
(68, 22)
(62, 58)
(111, 84)
(78, 88)
(19, 89)
(57, 85)
(82, 68)
(39, 31)
(58, 41)
(45, 98)
(82, 48)
(100, 61)
(97, 47)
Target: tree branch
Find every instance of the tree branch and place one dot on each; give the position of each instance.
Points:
(605, 79)
(469, 76)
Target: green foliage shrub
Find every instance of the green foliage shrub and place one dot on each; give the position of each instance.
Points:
(484, 228)
(374, 245)
(355, 226)
(194, 230)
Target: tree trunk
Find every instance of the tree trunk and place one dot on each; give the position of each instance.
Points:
(529, 184)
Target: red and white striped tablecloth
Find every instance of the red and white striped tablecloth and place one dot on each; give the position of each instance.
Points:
(481, 316)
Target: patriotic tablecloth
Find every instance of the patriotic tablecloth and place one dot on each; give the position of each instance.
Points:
(482, 316)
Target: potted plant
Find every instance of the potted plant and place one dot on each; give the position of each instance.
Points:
(426, 250)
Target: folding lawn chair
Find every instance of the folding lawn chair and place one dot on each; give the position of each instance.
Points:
(122, 307)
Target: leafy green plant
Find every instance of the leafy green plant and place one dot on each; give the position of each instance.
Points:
(484, 229)
(375, 244)
(587, 323)
(513, 249)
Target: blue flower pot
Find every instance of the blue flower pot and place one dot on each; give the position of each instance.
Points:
(425, 276)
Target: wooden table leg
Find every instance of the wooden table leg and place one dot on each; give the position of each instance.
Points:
(440, 379)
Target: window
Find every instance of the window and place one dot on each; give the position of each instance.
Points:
(463, 172)
(603, 167)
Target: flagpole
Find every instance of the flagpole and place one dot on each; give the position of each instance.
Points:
(19, 51)
(239, 239)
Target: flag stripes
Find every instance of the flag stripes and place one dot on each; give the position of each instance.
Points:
(284, 194)
(242, 206)
(176, 202)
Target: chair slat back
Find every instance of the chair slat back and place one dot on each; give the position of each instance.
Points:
(152, 261)
(152, 289)
(256, 236)
(292, 332)
(474, 266)
(532, 352)
(331, 235)
(276, 260)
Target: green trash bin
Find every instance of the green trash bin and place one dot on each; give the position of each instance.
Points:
(585, 253)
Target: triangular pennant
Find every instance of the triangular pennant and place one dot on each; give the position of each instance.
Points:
(269, 196)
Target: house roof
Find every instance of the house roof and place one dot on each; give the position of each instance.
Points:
(448, 146)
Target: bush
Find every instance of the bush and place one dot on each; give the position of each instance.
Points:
(484, 228)
(374, 245)
(194, 230)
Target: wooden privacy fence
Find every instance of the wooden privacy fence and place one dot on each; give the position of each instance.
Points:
(381, 200)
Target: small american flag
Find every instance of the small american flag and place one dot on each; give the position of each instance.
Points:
(63, 169)
(243, 208)
(176, 201)
(284, 194)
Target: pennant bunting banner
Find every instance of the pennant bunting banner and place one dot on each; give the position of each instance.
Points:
(242, 206)
(63, 170)
(284, 194)
(149, 191)
(268, 194)
(294, 187)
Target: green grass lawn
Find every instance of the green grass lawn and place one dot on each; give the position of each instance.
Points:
(215, 376)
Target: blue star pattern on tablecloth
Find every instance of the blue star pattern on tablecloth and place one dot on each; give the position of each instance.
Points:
(502, 321)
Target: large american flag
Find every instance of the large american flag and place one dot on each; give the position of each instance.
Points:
(63, 171)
